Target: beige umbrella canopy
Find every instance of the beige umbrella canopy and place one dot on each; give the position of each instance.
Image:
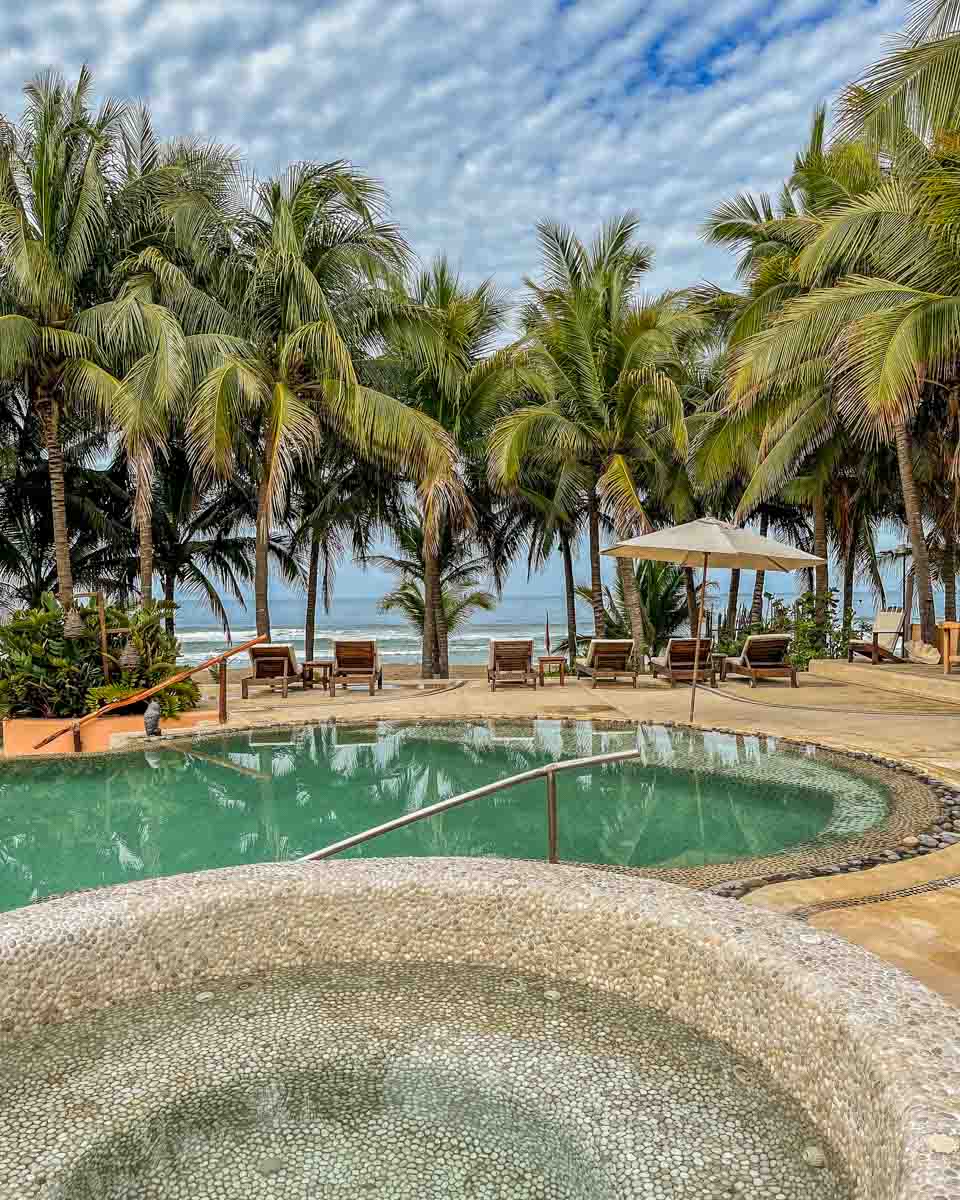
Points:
(718, 543)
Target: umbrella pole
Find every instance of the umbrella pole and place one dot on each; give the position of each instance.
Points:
(696, 645)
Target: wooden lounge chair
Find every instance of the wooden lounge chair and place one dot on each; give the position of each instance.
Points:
(356, 662)
(676, 662)
(511, 662)
(274, 664)
(608, 659)
(887, 631)
(764, 656)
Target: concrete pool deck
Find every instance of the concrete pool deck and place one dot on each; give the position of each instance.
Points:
(860, 708)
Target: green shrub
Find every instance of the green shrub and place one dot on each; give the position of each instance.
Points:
(45, 674)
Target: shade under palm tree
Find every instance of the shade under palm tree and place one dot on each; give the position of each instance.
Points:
(700, 543)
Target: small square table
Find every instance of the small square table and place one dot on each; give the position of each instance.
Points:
(552, 660)
(324, 666)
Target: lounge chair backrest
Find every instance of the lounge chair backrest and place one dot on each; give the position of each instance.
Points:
(355, 655)
(609, 652)
(267, 660)
(766, 649)
(511, 655)
(680, 652)
(888, 625)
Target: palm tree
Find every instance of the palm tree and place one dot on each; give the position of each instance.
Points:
(337, 501)
(54, 211)
(301, 269)
(446, 367)
(198, 534)
(459, 604)
(458, 570)
(603, 414)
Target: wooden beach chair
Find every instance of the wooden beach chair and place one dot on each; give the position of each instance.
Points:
(274, 664)
(764, 656)
(676, 662)
(356, 661)
(887, 631)
(511, 662)
(608, 659)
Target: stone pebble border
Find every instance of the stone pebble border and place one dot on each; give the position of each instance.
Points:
(870, 1054)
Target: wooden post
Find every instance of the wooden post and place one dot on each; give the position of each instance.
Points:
(77, 744)
(696, 644)
(222, 681)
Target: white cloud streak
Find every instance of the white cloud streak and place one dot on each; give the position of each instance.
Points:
(483, 119)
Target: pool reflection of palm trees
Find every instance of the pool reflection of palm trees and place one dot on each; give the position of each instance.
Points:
(277, 795)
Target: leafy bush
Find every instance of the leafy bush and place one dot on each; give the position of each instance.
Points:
(812, 638)
(45, 674)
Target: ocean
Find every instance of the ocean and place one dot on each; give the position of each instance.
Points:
(516, 616)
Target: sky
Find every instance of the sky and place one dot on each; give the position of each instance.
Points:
(482, 119)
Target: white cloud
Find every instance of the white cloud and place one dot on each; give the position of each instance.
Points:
(483, 119)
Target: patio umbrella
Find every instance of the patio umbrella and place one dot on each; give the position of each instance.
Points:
(709, 541)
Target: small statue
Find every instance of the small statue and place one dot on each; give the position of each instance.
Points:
(151, 718)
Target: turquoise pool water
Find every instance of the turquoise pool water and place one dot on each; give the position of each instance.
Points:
(691, 800)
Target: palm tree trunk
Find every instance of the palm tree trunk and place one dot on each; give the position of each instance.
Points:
(849, 574)
(596, 588)
(631, 596)
(691, 599)
(440, 627)
(821, 573)
(921, 563)
(169, 592)
(950, 573)
(733, 602)
(760, 579)
(570, 588)
(261, 581)
(429, 622)
(143, 507)
(310, 620)
(46, 405)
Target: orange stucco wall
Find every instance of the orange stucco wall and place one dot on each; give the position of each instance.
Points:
(20, 734)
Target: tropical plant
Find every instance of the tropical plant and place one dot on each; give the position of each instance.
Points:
(54, 211)
(446, 366)
(602, 413)
(459, 604)
(43, 673)
(304, 265)
(459, 570)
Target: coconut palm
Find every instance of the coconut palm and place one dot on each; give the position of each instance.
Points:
(54, 211)
(458, 568)
(447, 368)
(303, 266)
(603, 414)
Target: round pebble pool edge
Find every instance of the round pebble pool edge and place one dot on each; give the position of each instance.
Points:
(872, 1056)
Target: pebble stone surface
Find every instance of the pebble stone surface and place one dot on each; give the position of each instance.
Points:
(422, 1081)
(869, 1059)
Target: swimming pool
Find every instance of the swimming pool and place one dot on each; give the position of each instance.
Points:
(691, 799)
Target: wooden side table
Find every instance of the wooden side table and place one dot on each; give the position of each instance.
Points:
(951, 645)
(552, 660)
(324, 666)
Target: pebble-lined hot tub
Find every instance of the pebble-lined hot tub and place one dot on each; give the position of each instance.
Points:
(460, 1028)
(417, 1081)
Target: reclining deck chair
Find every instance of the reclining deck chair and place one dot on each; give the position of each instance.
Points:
(273, 663)
(609, 659)
(676, 662)
(764, 656)
(887, 631)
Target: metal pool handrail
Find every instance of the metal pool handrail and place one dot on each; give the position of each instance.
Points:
(548, 772)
